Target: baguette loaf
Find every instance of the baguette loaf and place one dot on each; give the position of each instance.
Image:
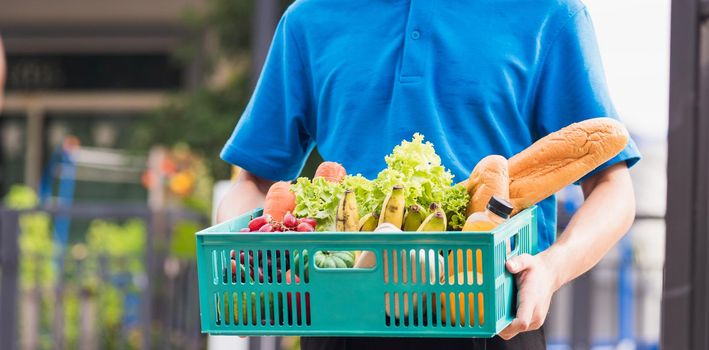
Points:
(489, 177)
(563, 157)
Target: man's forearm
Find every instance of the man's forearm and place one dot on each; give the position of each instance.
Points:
(248, 192)
(604, 217)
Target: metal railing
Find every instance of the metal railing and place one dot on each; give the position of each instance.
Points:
(158, 301)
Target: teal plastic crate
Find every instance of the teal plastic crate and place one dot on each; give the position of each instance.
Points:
(410, 292)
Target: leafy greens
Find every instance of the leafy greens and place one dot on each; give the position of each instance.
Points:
(413, 164)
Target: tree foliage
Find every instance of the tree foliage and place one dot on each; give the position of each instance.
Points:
(204, 115)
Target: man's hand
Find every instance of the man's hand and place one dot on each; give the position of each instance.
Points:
(604, 217)
(536, 283)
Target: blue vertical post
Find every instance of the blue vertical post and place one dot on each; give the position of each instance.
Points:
(626, 293)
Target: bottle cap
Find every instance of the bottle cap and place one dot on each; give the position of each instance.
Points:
(500, 207)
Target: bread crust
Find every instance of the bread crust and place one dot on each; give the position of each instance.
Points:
(562, 158)
(489, 177)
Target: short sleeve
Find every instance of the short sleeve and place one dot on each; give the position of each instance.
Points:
(572, 86)
(271, 139)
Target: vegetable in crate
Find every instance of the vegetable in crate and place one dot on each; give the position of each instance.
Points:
(325, 260)
(252, 271)
(265, 223)
(413, 218)
(347, 213)
(331, 171)
(413, 165)
(368, 223)
(279, 200)
(393, 207)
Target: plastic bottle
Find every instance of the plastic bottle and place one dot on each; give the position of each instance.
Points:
(497, 211)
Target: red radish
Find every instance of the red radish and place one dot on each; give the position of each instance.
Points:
(289, 220)
(310, 221)
(266, 228)
(232, 254)
(304, 227)
(257, 223)
(233, 268)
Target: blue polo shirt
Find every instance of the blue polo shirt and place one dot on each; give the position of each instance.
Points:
(476, 77)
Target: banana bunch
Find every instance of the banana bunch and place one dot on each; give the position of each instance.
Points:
(411, 218)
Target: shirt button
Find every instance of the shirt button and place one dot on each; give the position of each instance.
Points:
(415, 35)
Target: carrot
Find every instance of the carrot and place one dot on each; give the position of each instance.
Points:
(331, 171)
(279, 200)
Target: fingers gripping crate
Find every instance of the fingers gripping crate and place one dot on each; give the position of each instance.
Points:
(417, 287)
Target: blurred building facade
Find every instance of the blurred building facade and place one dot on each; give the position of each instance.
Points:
(85, 68)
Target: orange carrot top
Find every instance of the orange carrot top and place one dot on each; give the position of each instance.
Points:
(331, 171)
(279, 200)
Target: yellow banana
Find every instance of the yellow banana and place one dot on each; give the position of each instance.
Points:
(347, 213)
(393, 207)
(436, 221)
(413, 218)
(369, 222)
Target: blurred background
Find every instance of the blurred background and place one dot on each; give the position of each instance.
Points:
(113, 118)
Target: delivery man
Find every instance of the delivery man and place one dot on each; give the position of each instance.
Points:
(476, 77)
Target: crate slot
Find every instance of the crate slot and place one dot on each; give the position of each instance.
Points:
(271, 311)
(461, 308)
(385, 260)
(421, 263)
(453, 310)
(471, 308)
(387, 309)
(215, 268)
(395, 266)
(406, 312)
(254, 311)
(404, 267)
(224, 266)
(413, 263)
(267, 271)
(226, 309)
(258, 267)
(481, 308)
(307, 308)
(297, 309)
(217, 309)
(479, 263)
(397, 313)
(290, 308)
(235, 307)
(431, 267)
(279, 269)
(416, 309)
(434, 314)
(425, 314)
(280, 309)
(305, 276)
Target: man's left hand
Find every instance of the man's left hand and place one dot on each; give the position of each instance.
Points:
(536, 283)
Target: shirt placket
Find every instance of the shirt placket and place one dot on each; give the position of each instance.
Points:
(417, 40)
